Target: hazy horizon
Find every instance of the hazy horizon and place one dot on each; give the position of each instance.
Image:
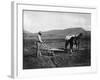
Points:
(57, 29)
(35, 21)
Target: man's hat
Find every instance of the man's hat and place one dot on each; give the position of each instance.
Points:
(39, 33)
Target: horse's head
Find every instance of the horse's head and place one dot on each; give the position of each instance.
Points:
(80, 34)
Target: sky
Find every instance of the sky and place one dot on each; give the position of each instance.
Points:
(35, 21)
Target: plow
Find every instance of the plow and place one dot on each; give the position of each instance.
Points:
(47, 50)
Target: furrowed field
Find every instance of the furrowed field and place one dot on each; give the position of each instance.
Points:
(79, 57)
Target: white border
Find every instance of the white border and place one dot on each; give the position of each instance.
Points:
(17, 53)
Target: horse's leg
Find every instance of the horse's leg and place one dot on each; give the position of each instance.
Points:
(78, 45)
(75, 44)
(71, 47)
(71, 50)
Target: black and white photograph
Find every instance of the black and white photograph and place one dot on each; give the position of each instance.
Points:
(54, 39)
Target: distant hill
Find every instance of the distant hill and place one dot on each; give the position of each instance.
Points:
(57, 34)
(27, 35)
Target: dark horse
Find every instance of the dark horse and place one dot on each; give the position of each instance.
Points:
(73, 40)
(69, 41)
(76, 40)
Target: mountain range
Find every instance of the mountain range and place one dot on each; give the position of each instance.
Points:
(57, 34)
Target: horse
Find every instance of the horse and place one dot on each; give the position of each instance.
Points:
(73, 40)
(69, 41)
(76, 40)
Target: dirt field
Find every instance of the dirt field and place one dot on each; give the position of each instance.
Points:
(79, 57)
